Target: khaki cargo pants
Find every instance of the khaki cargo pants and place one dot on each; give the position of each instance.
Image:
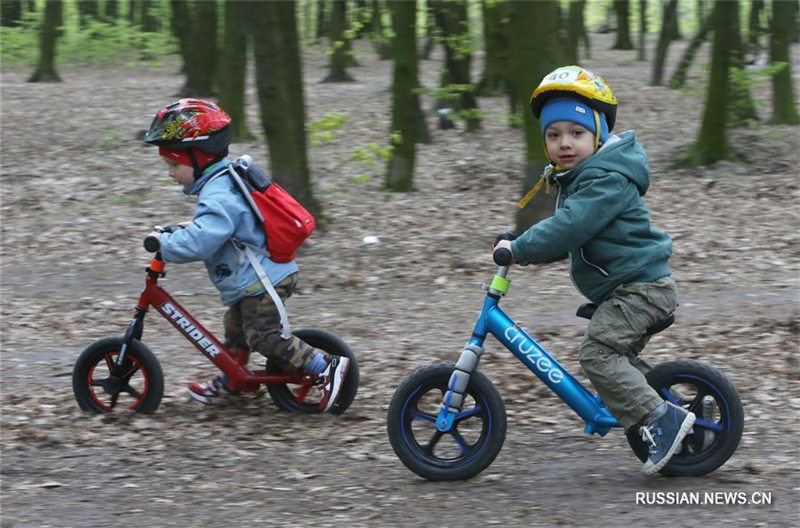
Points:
(254, 324)
(615, 337)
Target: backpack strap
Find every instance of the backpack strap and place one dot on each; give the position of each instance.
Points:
(286, 331)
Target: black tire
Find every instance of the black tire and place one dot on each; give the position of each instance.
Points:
(102, 387)
(720, 417)
(475, 439)
(286, 397)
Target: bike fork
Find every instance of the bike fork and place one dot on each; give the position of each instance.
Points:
(134, 331)
(457, 386)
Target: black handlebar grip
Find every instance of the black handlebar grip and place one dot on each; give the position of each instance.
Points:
(502, 257)
(152, 244)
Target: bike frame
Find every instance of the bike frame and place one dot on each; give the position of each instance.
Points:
(233, 365)
(493, 321)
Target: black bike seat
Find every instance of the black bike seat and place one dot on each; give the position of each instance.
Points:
(587, 310)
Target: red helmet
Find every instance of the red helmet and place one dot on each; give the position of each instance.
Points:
(191, 123)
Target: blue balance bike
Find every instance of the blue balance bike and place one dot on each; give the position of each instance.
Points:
(448, 421)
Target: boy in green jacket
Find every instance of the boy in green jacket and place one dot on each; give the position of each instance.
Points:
(616, 259)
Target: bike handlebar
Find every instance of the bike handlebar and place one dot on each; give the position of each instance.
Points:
(502, 257)
(152, 243)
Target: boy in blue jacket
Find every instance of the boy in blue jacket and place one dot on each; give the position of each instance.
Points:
(193, 137)
(616, 259)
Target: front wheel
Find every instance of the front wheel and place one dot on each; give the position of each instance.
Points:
(475, 439)
(298, 398)
(102, 386)
(713, 399)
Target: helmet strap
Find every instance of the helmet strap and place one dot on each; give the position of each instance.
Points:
(597, 129)
(197, 170)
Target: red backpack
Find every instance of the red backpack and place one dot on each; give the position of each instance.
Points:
(287, 224)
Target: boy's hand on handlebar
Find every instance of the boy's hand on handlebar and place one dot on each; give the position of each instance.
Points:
(504, 244)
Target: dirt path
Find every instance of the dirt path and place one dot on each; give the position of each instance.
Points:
(73, 216)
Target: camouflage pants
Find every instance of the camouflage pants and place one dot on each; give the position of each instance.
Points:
(254, 324)
(614, 339)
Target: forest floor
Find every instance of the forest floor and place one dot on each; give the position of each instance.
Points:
(80, 190)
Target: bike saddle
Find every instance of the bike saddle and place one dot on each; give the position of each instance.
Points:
(587, 310)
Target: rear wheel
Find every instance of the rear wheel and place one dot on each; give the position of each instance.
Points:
(102, 386)
(304, 398)
(713, 399)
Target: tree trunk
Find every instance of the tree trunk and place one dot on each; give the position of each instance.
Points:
(322, 25)
(196, 28)
(338, 64)
(495, 80)
(407, 119)
(533, 28)
(784, 109)
(46, 69)
(754, 25)
(234, 64)
(741, 106)
(88, 11)
(380, 36)
(279, 79)
(576, 31)
(147, 21)
(111, 11)
(451, 18)
(679, 77)
(622, 9)
(712, 145)
(642, 52)
(668, 21)
(10, 13)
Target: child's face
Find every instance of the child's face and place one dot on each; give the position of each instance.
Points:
(180, 174)
(568, 143)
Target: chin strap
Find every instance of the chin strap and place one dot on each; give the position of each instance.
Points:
(544, 179)
(597, 129)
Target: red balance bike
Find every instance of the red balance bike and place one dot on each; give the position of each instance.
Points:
(121, 373)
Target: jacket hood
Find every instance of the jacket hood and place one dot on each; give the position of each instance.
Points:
(621, 154)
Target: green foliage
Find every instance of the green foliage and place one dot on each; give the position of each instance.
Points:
(367, 156)
(742, 83)
(322, 130)
(98, 42)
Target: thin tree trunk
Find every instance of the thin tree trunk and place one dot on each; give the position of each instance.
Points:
(784, 109)
(451, 18)
(679, 77)
(406, 111)
(533, 28)
(712, 145)
(668, 21)
(642, 52)
(279, 79)
(338, 63)
(46, 69)
(234, 64)
(496, 72)
(623, 42)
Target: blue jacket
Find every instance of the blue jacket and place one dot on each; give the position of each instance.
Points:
(601, 223)
(222, 214)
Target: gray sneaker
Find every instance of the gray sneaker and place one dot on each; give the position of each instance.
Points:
(668, 425)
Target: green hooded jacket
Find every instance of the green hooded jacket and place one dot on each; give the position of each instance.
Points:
(601, 223)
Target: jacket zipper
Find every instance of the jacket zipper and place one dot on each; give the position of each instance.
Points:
(595, 266)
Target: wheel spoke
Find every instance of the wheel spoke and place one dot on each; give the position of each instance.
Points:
(697, 402)
(419, 415)
(707, 424)
(113, 402)
(468, 413)
(130, 390)
(462, 444)
(302, 392)
(428, 448)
